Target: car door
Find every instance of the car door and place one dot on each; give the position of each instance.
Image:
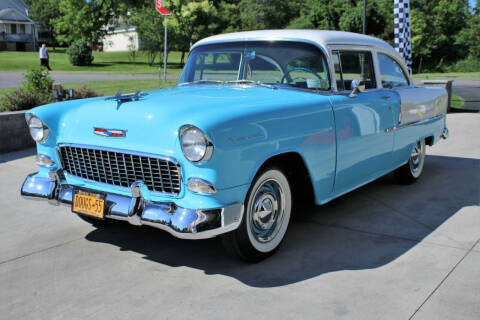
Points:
(362, 119)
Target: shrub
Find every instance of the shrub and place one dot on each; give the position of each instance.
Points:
(470, 64)
(80, 53)
(38, 82)
(85, 92)
(19, 99)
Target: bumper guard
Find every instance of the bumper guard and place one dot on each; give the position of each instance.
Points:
(180, 222)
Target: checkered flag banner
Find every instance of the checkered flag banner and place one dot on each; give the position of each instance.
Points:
(403, 41)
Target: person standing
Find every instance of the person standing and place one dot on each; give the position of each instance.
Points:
(44, 58)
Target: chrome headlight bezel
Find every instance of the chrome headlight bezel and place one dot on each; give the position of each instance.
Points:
(37, 128)
(192, 153)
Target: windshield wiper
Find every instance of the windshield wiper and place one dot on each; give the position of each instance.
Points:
(244, 81)
(203, 81)
(256, 83)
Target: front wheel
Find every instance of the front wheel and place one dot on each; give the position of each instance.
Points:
(411, 171)
(265, 221)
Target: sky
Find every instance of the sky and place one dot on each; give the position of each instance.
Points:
(472, 3)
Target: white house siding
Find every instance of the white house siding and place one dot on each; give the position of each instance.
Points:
(119, 41)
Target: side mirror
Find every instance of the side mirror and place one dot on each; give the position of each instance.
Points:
(358, 86)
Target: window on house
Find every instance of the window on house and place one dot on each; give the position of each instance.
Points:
(22, 29)
(13, 28)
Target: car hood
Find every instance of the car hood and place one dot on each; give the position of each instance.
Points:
(152, 122)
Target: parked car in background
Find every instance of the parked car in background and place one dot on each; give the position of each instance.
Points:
(254, 117)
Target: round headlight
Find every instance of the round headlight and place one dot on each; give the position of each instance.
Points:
(195, 145)
(38, 129)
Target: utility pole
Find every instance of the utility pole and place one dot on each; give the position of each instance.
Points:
(364, 16)
(165, 52)
(164, 12)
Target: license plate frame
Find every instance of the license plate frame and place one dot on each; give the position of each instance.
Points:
(83, 195)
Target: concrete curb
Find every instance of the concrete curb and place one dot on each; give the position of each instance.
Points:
(14, 133)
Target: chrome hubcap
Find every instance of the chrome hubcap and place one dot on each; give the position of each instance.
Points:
(267, 211)
(416, 159)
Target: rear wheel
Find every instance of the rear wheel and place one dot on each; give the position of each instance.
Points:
(265, 221)
(411, 171)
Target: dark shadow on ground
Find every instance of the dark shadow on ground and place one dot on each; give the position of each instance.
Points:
(364, 229)
(453, 110)
(5, 157)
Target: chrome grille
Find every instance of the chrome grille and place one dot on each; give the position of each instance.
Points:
(121, 168)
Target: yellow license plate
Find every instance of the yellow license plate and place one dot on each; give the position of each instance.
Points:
(90, 204)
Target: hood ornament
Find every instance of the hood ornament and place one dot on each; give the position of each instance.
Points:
(121, 98)
(110, 132)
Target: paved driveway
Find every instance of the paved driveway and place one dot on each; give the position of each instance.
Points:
(469, 90)
(382, 252)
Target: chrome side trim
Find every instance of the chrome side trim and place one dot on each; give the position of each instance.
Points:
(413, 123)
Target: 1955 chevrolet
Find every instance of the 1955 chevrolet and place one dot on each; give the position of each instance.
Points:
(254, 117)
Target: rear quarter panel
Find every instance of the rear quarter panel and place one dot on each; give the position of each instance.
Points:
(422, 115)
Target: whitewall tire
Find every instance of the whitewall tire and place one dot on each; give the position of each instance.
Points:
(268, 207)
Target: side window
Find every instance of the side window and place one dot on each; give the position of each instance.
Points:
(353, 67)
(391, 72)
(338, 70)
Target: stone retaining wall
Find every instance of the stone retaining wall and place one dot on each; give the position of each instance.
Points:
(14, 134)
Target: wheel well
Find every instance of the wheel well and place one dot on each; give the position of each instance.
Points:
(429, 141)
(292, 164)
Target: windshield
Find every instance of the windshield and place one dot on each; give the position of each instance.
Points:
(279, 63)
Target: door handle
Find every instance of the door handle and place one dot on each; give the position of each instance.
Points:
(385, 97)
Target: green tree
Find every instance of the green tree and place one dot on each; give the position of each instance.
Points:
(435, 27)
(259, 14)
(469, 37)
(149, 24)
(347, 16)
(191, 21)
(80, 19)
(45, 12)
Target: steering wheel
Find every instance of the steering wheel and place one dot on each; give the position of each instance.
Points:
(299, 69)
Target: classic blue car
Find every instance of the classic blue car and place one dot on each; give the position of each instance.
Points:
(257, 121)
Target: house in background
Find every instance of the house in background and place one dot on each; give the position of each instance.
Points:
(121, 38)
(17, 30)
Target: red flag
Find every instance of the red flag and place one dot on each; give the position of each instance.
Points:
(161, 9)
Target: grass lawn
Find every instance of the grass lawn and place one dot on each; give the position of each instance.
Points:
(449, 75)
(111, 87)
(457, 102)
(108, 62)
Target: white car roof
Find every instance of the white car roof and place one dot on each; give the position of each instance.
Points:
(322, 38)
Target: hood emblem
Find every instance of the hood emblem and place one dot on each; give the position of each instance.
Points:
(110, 132)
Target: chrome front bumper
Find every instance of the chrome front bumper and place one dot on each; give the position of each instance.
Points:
(180, 222)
